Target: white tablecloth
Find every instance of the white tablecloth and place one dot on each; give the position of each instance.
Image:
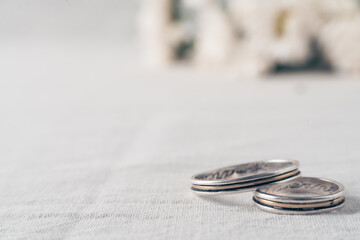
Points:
(94, 146)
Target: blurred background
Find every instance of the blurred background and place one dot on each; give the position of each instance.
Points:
(108, 107)
(253, 38)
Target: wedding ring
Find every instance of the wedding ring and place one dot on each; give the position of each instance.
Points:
(244, 177)
(302, 195)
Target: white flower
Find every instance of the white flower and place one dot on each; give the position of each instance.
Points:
(341, 41)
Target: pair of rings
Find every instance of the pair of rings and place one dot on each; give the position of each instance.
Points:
(277, 186)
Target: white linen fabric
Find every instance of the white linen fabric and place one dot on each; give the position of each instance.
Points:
(93, 146)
